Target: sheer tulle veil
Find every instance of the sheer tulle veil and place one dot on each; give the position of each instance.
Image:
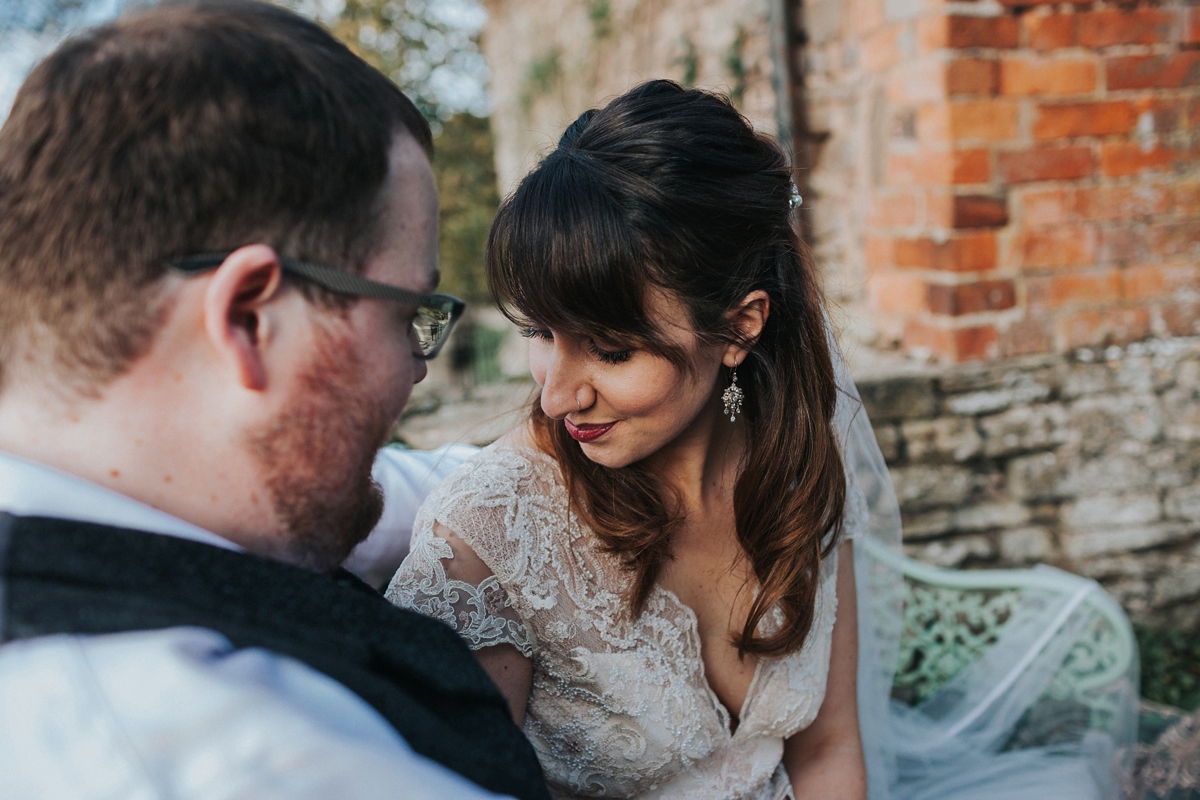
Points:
(965, 739)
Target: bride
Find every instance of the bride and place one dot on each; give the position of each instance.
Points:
(681, 570)
(655, 568)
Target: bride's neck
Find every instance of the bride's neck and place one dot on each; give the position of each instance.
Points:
(701, 464)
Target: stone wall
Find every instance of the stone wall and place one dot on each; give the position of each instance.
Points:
(1088, 461)
(551, 61)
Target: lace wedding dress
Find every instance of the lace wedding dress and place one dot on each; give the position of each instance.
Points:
(619, 707)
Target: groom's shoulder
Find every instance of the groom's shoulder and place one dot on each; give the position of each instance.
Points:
(90, 699)
(65, 576)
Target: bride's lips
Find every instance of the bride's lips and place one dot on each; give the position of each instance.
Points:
(587, 433)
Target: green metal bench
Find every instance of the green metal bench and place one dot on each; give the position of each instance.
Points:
(951, 618)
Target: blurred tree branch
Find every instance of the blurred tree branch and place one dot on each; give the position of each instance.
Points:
(430, 49)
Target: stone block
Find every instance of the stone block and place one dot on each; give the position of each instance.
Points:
(1023, 390)
(1112, 510)
(1114, 472)
(963, 378)
(1181, 408)
(897, 398)
(1036, 477)
(1137, 374)
(952, 552)
(1172, 466)
(1025, 545)
(1183, 503)
(1111, 567)
(1084, 544)
(888, 439)
(1024, 428)
(989, 516)
(952, 438)
(921, 487)
(1187, 374)
(1133, 596)
(1083, 379)
(1099, 421)
(1180, 582)
(929, 525)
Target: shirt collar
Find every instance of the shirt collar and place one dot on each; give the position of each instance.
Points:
(30, 489)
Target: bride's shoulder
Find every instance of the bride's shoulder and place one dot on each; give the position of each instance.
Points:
(507, 504)
(512, 469)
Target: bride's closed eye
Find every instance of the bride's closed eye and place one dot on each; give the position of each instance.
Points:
(608, 356)
(530, 332)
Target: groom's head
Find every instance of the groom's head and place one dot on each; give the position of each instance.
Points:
(198, 128)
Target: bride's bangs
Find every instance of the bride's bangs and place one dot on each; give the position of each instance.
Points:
(562, 255)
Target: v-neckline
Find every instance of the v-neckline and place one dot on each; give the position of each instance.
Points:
(692, 630)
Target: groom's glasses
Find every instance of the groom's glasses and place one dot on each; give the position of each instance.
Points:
(436, 313)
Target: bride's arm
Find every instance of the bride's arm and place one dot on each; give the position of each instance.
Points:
(513, 675)
(826, 758)
(509, 670)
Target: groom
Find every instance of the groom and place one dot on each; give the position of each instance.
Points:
(218, 234)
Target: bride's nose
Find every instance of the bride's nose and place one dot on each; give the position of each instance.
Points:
(566, 388)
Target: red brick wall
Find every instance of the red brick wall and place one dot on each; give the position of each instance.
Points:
(1036, 180)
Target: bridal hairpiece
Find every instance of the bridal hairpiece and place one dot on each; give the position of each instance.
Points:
(794, 199)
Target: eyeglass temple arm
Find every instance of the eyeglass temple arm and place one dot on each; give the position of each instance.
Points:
(335, 280)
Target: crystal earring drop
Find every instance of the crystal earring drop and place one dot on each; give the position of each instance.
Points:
(732, 398)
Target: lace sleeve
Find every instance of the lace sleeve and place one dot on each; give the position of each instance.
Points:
(481, 612)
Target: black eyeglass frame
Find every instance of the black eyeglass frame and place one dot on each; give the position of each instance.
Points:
(347, 284)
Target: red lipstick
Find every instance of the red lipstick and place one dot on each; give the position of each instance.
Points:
(587, 433)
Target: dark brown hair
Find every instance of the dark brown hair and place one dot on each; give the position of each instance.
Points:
(671, 188)
(185, 128)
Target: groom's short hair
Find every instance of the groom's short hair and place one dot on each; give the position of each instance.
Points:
(189, 127)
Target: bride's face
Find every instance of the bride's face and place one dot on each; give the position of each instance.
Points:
(625, 405)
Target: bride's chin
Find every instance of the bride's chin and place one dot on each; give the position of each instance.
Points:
(607, 455)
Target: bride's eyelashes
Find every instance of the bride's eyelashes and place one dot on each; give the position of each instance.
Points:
(612, 357)
(530, 332)
(609, 356)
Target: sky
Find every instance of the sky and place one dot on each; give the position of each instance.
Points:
(25, 36)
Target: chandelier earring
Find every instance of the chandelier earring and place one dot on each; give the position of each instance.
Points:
(732, 398)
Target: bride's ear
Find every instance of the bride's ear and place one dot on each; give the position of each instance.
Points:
(747, 318)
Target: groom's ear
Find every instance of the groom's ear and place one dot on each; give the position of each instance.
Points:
(234, 302)
(747, 318)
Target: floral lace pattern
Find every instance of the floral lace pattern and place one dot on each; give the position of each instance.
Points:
(618, 707)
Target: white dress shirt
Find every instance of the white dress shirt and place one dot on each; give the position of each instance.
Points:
(92, 717)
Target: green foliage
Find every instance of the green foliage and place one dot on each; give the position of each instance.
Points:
(600, 14)
(406, 39)
(466, 178)
(690, 63)
(1170, 661)
(736, 65)
(541, 76)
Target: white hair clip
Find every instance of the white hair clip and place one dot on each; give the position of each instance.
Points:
(794, 199)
